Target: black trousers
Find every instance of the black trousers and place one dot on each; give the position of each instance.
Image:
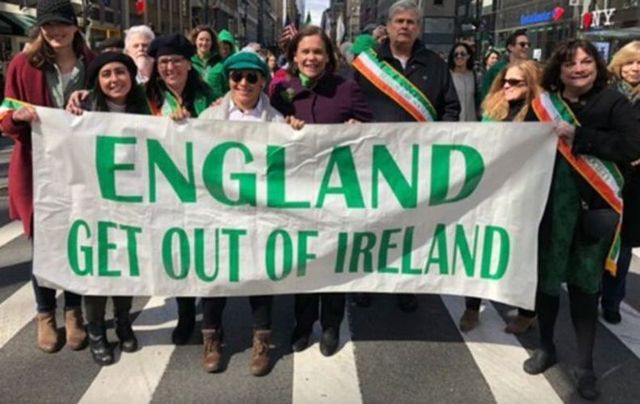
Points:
(473, 303)
(212, 308)
(327, 307)
(94, 307)
(614, 287)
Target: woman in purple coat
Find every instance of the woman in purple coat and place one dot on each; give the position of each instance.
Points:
(315, 94)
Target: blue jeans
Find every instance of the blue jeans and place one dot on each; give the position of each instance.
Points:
(614, 287)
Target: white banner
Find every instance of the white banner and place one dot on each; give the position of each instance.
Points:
(139, 205)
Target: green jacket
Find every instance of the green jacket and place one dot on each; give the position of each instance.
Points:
(202, 66)
(491, 75)
(215, 75)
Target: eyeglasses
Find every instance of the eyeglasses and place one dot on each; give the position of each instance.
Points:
(512, 82)
(176, 61)
(251, 77)
(460, 54)
(524, 44)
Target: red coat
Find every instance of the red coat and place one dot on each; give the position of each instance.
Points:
(26, 83)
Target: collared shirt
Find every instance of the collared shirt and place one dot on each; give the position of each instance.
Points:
(253, 115)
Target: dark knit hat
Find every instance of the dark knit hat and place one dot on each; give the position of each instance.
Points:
(105, 58)
(172, 44)
(245, 60)
(55, 11)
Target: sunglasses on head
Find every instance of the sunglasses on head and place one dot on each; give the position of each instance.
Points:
(251, 77)
(512, 82)
(460, 54)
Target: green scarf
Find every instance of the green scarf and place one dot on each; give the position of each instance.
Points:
(627, 89)
(306, 81)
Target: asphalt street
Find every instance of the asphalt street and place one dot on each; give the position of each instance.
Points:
(386, 356)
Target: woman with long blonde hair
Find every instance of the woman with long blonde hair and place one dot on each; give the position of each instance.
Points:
(625, 67)
(509, 99)
(512, 91)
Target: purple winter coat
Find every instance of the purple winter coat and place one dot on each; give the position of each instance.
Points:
(332, 100)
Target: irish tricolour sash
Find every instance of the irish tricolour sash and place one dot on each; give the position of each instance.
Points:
(10, 104)
(395, 85)
(602, 175)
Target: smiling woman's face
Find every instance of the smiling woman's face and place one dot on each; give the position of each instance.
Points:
(311, 57)
(580, 73)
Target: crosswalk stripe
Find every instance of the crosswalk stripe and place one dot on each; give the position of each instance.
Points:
(317, 379)
(500, 356)
(136, 375)
(16, 312)
(628, 330)
(10, 232)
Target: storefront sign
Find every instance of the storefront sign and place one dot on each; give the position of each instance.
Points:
(597, 18)
(537, 18)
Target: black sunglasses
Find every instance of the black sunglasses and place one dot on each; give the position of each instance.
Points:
(524, 44)
(512, 82)
(460, 54)
(251, 77)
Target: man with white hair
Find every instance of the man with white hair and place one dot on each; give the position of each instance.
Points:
(403, 81)
(136, 44)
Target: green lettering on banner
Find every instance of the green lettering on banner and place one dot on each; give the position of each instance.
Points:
(461, 248)
(439, 244)
(276, 180)
(106, 167)
(441, 172)
(213, 175)
(304, 255)
(132, 248)
(341, 160)
(369, 240)
(199, 256)
(185, 187)
(104, 246)
(234, 252)
(341, 254)
(503, 253)
(86, 251)
(167, 253)
(383, 163)
(407, 247)
(271, 256)
(385, 245)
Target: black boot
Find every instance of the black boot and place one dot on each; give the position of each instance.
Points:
(541, 360)
(329, 341)
(586, 381)
(99, 346)
(299, 340)
(186, 320)
(128, 340)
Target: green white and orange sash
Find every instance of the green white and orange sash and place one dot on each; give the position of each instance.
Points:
(395, 85)
(603, 175)
(11, 104)
(171, 105)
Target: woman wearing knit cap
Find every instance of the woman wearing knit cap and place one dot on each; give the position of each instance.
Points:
(247, 76)
(176, 90)
(111, 79)
(45, 75)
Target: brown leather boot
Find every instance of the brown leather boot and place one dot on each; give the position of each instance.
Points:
(74, 325)
(48, 337)
(520, 324)
(470, 320)
(212, 358)
(260, 361)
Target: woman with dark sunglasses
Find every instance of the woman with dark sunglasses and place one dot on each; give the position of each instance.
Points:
(247, 77)
(509, 100)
